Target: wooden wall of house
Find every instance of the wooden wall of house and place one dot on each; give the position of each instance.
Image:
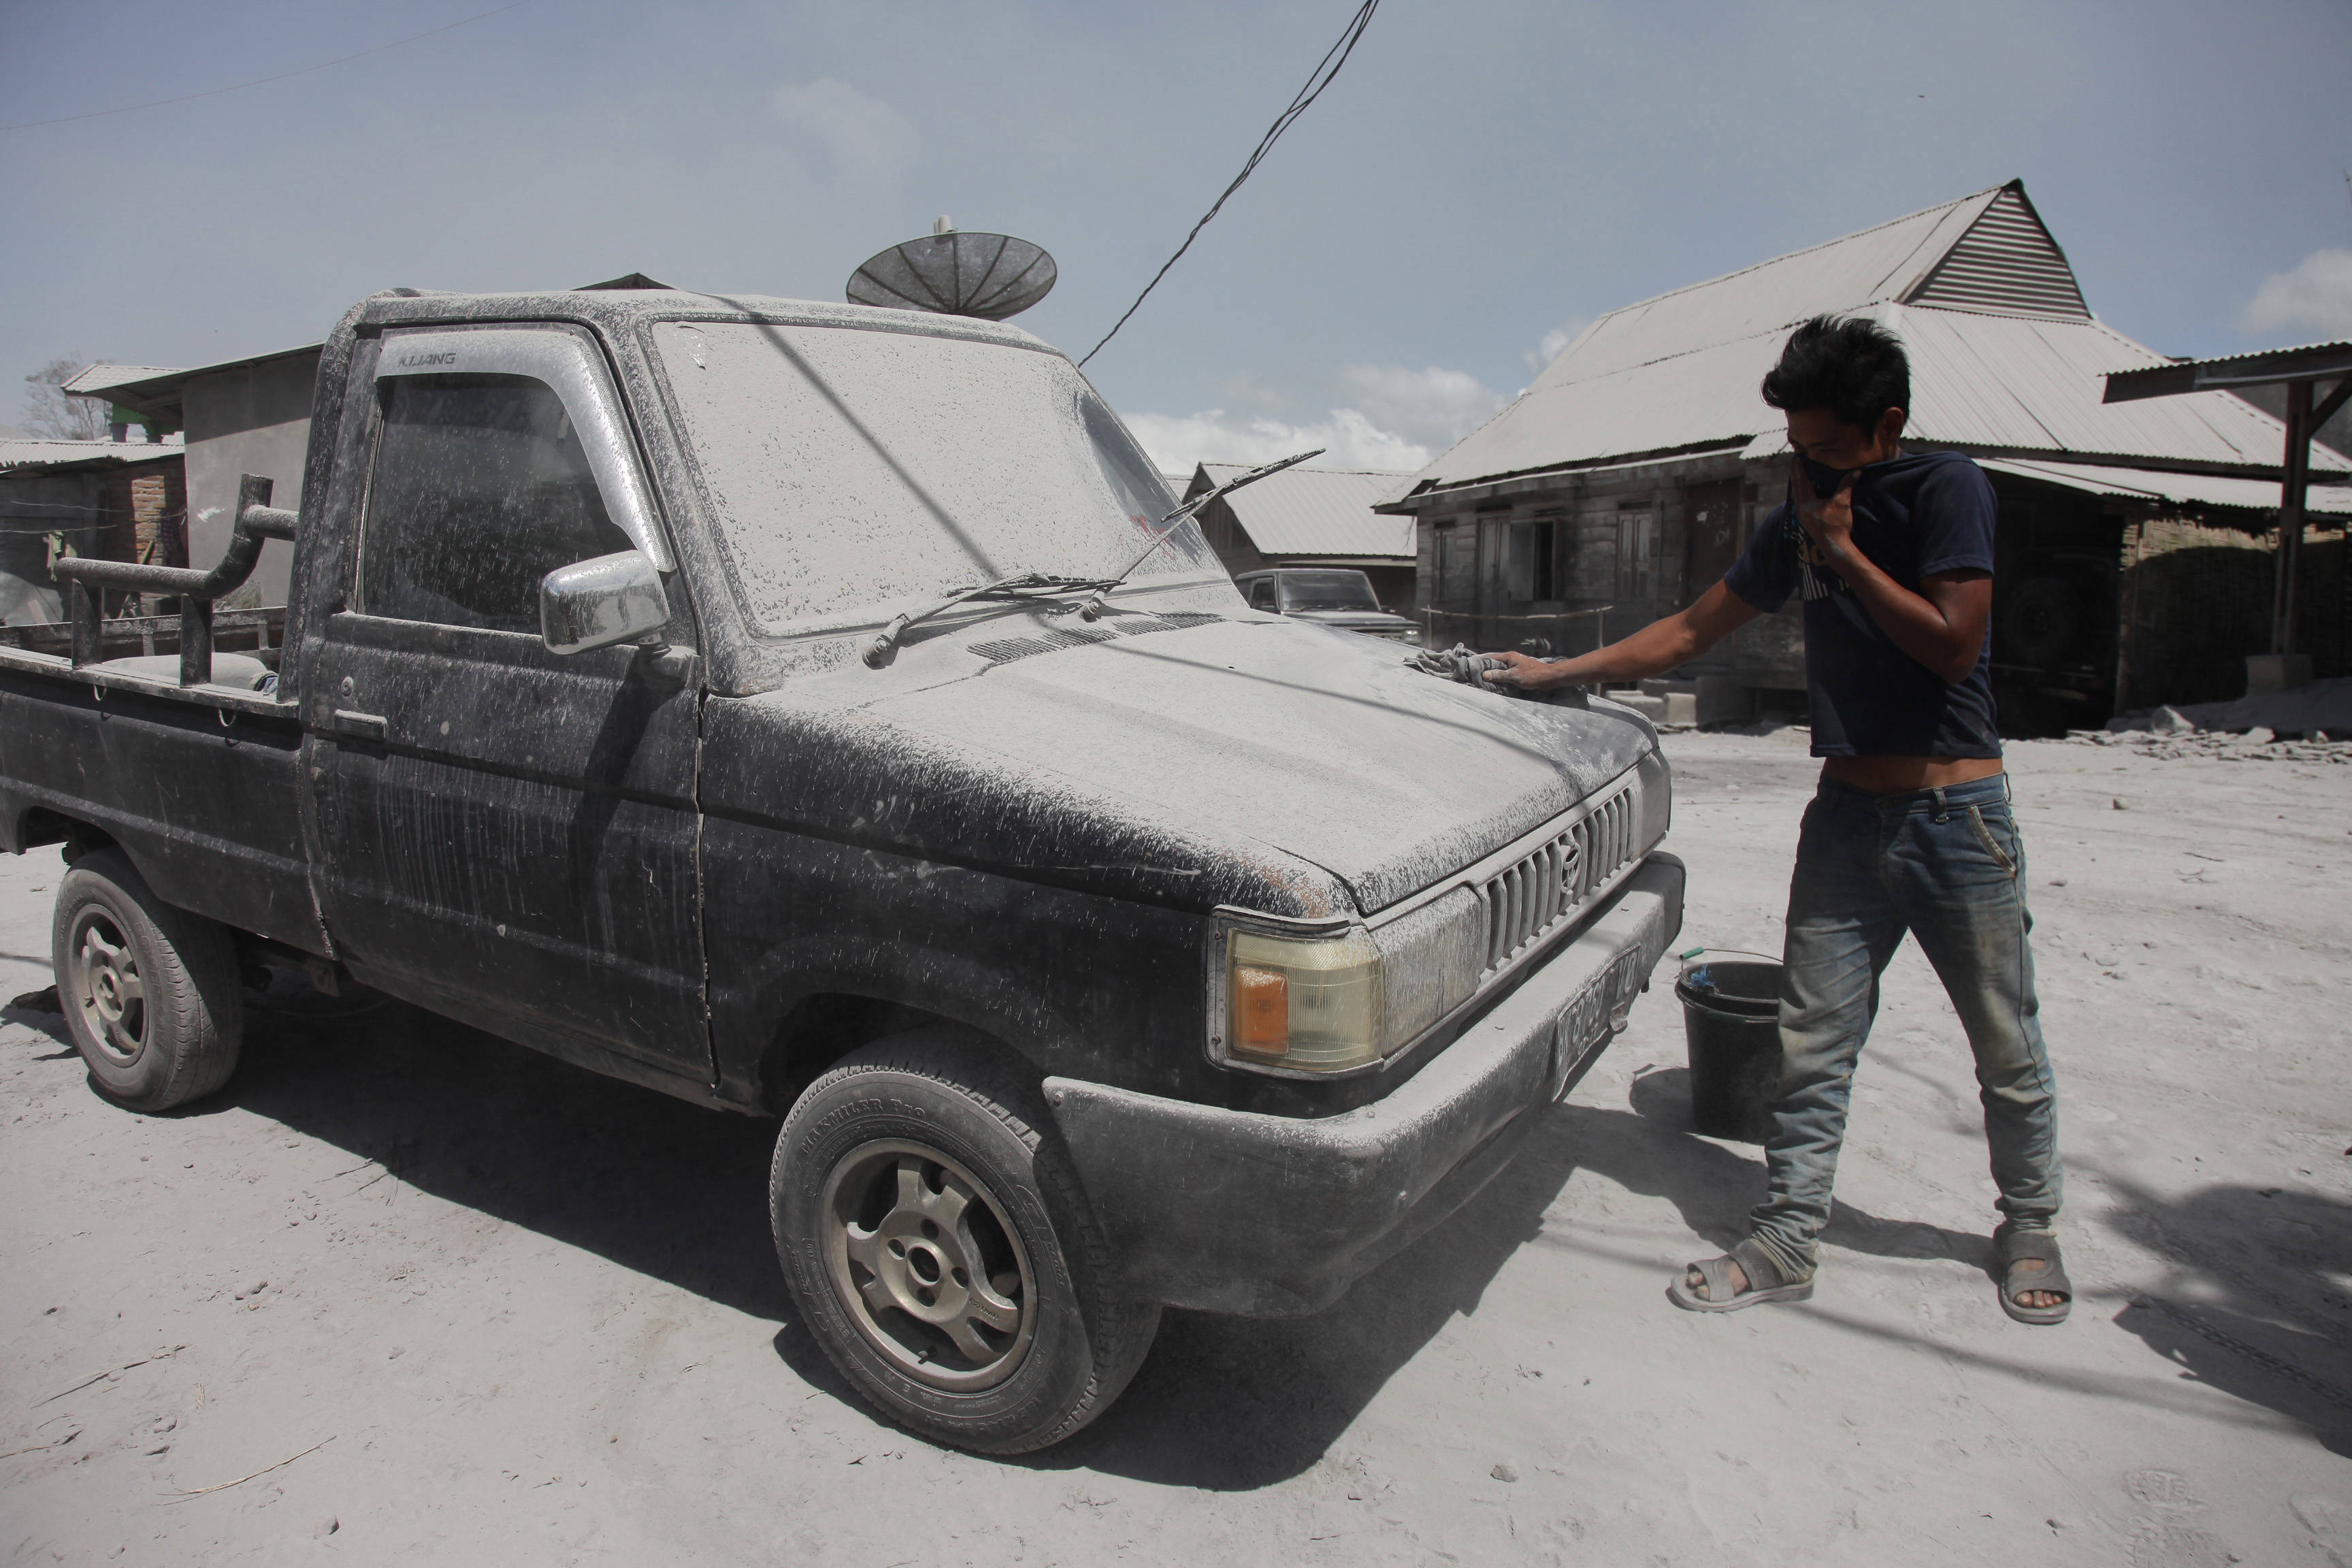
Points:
(1623, 549)
(1224, 532)
(2091, 616)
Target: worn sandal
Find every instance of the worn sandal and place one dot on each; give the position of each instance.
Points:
(1766, 1281)
(2015, 1246)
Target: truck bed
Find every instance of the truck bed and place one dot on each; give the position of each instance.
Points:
(197, 785)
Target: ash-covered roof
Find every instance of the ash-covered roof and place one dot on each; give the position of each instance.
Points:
(39, 452)
(2193, 490)
(2306, 361)
(2004, 359)
(97, 380)
(1324, 512)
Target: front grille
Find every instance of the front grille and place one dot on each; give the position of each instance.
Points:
(1544, 887)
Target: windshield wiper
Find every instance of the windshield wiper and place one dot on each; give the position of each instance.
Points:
(1020, 585)
(1093, 607)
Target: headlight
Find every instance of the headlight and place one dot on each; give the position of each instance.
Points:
(1326, 1002)
(1301, 1000)
(1310, 1003)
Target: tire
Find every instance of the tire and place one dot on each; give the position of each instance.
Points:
(151, 994)
(914, 1173)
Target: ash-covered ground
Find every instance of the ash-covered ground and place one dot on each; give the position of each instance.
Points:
(505, 1312)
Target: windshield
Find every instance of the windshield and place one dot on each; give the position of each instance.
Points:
(856, 474)
(1327, 591)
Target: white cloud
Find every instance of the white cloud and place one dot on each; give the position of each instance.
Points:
(1555, 342)
(1394, 418)
(1350, 439)
(2315, 298)
(865, 138)
(1431, 408)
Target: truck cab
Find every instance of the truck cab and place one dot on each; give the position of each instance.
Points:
(1173, 953)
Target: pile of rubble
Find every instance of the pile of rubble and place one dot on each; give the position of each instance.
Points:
(2170, 733)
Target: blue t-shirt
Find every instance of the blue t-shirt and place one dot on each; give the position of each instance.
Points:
(1916, 516)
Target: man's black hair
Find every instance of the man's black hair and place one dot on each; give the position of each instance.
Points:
(1848, 364)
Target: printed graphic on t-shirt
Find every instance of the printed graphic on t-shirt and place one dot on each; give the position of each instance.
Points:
(1817, 578)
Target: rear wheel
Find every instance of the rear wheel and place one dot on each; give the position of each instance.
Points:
(151, 994)
(941, 1252)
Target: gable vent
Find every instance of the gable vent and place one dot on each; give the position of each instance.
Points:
(2005, 265)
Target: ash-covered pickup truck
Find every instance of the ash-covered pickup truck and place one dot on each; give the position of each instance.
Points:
(739, 697)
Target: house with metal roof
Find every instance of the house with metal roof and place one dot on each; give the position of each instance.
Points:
(249, 416)
(1312, 516)
(1625, 480)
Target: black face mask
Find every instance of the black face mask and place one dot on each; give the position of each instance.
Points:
(1825, 479)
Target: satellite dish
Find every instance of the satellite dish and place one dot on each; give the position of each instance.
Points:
(991, 275)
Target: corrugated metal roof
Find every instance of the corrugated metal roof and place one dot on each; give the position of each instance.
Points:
(2307, 362)
(1689, 400)
(2154, 484)
(93, 379)
(158, 390)
(1680, 373)
(2036, 386)
(1880, 263)
(1318, 511)
(38, 453)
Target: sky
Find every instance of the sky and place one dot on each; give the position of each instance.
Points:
(1483, 179)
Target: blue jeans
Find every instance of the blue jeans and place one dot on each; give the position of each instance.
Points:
(1946, 865)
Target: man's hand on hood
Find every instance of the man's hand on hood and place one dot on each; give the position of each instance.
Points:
(1524, 673)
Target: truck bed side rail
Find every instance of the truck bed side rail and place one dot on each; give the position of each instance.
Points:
(87, 579)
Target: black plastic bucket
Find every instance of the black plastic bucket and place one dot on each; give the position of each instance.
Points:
(1731, 1019)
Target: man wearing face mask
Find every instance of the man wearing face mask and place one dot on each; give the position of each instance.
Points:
(1911, 830)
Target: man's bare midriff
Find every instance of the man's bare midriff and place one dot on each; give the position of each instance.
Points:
(1893, 775)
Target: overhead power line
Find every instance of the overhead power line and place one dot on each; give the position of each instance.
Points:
(265, 80)
(1325, 70)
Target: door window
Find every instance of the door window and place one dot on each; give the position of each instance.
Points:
(480, 487)
(1637, 534)
(1457, 563)
(1262, 594)
(1535, 551)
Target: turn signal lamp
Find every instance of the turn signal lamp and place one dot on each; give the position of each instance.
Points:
(1310, 1003)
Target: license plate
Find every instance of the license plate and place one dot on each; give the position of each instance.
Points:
(1591, 1015)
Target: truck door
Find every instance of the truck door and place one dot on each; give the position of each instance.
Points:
(506, 835)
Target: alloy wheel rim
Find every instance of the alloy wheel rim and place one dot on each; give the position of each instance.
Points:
(108, 988)
(925, 1262)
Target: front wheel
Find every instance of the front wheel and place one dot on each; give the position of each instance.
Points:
(151, 994)
(939, 1248)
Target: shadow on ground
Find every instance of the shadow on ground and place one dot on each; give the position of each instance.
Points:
(1228, 1404)
(658, 1185)
(2249, 1307)
(38, 1011)
(678, 1192)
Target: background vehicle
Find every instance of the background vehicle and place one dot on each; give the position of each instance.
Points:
(1183, 955)
(1326, 595)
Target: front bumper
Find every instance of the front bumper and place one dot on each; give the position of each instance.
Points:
(1269, 1217)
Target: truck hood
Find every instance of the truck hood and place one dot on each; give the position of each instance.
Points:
(1324, 745)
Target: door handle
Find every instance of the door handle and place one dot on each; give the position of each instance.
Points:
(364, 726)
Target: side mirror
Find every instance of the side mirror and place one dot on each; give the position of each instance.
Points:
(595, 603)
